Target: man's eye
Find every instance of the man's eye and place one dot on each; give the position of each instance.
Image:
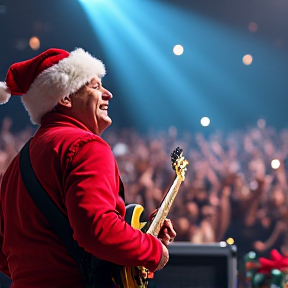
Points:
(96, 87)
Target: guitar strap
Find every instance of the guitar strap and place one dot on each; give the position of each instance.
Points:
(57, 220)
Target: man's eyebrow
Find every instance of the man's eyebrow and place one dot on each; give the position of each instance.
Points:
(95, 82)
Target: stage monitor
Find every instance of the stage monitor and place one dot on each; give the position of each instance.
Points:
(198, 266)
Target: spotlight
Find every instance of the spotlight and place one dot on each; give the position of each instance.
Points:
(89, 1)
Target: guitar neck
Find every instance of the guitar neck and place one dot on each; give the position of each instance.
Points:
(164, 208)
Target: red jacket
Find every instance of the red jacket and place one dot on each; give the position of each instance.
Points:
(78, 170)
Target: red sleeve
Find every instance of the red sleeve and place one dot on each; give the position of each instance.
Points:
(96, 211)
(3, 262)
(3, 259)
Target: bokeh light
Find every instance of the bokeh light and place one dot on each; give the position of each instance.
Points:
(253, 185)
(261, 123)
(205, 121)
(253, 26)
(252, 255)
(178, 50)
(34, 43)
(21, 44)
(247, 59)
(3, 9)
(223, 244)
(275, 163)
(230, 241)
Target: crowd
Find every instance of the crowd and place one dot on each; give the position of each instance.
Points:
(230, 190)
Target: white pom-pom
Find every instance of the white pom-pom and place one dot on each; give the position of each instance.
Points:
(4, 93)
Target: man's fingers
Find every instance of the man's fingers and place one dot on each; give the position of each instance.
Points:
(167, 233)
(165, 241)
(168, 228)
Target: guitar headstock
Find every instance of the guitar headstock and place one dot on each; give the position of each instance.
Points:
(179, 163)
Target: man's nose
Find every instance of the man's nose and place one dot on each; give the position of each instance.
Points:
(107, 94)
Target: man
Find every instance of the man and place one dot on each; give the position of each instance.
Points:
(63, 93)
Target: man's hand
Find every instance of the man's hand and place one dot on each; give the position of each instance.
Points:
(167, 232)
(166, 236)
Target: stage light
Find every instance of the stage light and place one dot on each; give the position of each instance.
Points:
(275, 164)
(34, 43)
(131, 40)
(205, 121)
(178, 50)
(247, 59)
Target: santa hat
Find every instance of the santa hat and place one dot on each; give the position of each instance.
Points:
(48, 78)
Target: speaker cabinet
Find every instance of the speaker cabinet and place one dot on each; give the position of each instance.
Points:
(198, 266)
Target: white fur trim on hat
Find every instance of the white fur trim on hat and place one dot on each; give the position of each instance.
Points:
(60, 80)
(4, 93)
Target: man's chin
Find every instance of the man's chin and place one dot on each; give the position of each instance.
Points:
(106, 125)
(109, 122)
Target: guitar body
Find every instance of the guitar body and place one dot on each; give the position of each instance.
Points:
(133, 215)
(133, 277)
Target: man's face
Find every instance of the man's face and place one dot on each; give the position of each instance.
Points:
(90, 106)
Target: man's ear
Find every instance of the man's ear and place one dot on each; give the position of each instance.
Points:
(66, 101)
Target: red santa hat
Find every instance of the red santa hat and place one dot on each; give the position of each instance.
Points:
(49, 77)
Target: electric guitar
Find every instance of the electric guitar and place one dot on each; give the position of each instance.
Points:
(137, 277)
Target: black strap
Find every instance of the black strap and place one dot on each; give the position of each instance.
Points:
(57, 220)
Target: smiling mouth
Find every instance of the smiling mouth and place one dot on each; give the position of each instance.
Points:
(104, 107)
